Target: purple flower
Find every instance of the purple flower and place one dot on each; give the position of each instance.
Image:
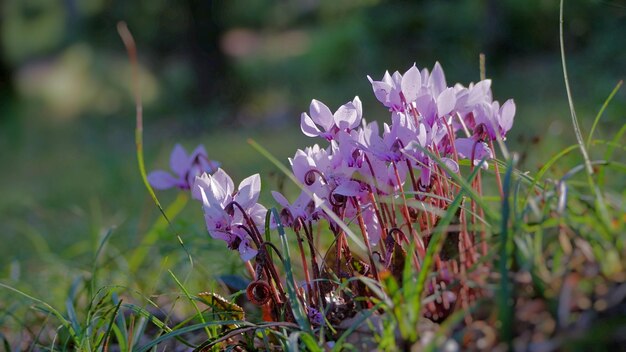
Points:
(185, 168)
(346, 118)
(497, 119)
(388, 90)
(437, 80)
(395, 91)
(302, 208)
(217, 193)
(372, 225)
(465, 147)
(475, 94)
(315, 316)
(388, 147)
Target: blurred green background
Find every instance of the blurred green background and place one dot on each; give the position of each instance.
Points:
(219, 72)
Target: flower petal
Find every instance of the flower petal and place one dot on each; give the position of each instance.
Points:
(446, 102)
(321, 115)
(359, 111)
(221, 178)
(245, 251)
(200, 183)
(451, 164)
(257, 213)
(480, 93)
(162, 180)
(381, 90)
(346, 116)
(437, 79)
(465, 146)
(280, 199)
(199, 152)
(248, 192)
(307, 126)
(507, 113)
(300, 165)
(411, 84)
(179, 160)
(348, 189)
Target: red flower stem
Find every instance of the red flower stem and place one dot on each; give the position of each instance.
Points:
(407, 218)
(391, 214)
(413, 182)
(498, 179)
(340, 244)
(359, 216)
(381, 217)
(481, 212)
(250, 270)
(305, 267)
(315, 268)
(258, 239)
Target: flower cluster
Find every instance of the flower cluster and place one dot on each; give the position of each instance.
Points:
(363, 160)
(232, 215)
(388, 181)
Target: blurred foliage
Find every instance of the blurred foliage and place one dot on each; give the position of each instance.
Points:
(263, 60)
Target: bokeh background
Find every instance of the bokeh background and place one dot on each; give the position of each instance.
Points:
(219, 72)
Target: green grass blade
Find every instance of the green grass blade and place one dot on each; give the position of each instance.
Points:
(193, 303)
(606, 103)
(49, 308)
(187, 329)
(296, 306)
(608, 154)
(570, 100)
(69, 306)
(505, 306)
(131, 48)
(94, 267)
(546, 167)
(600, 204)
(139, 255)
(105, 339)
(310, 343)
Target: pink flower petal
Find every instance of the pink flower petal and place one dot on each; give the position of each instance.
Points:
(248, 192)
(411, 84)
(224, 181)
(446, 102)
(280, 199)
(437, 80)
(179, 160)
(321, 115)
(162, 180)
(507, 113)
(307, 126)
(346, 116)
(349, 189)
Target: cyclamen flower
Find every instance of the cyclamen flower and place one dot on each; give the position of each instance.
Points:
(217, 194)
(185, 167)
(394, 91)
(466, 146)
(397, 91)
(497, 119)
(302, 208)
(346, 118)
